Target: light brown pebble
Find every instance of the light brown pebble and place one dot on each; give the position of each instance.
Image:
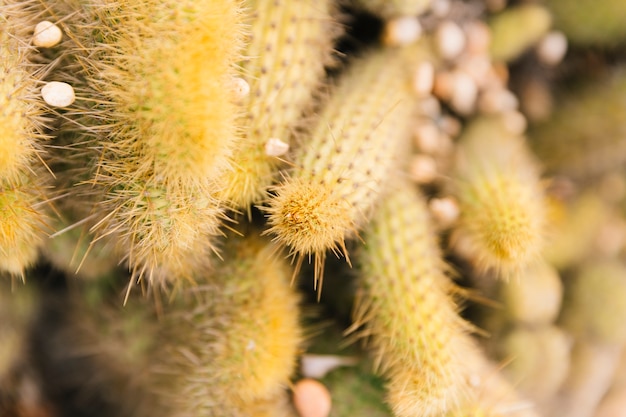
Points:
(497, 100)
(424, 79)
(451, 126)
(444, 210)
(478, 37)
(311, 398)
(427, 137)
(464, 93)
(514, 122)
(47, 34)
(423, 169)
(402, 31)
(58, 94)
(441, 8)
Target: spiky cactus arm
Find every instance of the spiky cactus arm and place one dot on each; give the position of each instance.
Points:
(162, 123)
(500, 196)
(234, 340)
(342, 167)
(408, 309)
(290, 43)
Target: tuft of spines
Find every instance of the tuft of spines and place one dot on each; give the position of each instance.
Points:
(290, 43)
(233, 341)
(500, 198)
(407, 306)
(343, 166)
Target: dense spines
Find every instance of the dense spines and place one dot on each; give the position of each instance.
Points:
(409, 311)
(343, 166)
(500, 196)
(233, 340)
(290, 43)
(159, 128)
(22, 170)
(166, 68)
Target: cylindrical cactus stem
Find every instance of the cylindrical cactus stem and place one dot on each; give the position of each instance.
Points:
(389, 9)
(164, 70)
(500, 198)
(408, 309)
(162, 116)
(344, 164)
(233, 341)
(290, 43)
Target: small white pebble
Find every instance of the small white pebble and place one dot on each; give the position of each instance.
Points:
(552, 48)
(241, 87)
(450, 40)
(427, 137)
(58, 94)
(515, 122)
(276, 147)
(444, 210)
(317, 366)
(424, 79)
(402, 31)
(464, 93)
(479, 67)
(423, 169)
(47, 34)
(311, 398)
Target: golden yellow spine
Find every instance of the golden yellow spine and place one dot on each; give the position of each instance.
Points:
(290, 43)
(408, 309)
(343, 166)
(500, 198)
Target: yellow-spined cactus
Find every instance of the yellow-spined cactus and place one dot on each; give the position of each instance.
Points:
(407, 306)
(344, 162)
(163, 113)
(290, 43)
(233, 340)
(501, 199)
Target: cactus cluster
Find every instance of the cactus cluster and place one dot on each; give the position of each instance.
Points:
(175, 174)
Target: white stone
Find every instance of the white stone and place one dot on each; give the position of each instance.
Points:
(276, 147)
(424, 79)
(450, 40)
(241, 87)
(47, 34)
(423, 169)
(58, 94)
(552, 48)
